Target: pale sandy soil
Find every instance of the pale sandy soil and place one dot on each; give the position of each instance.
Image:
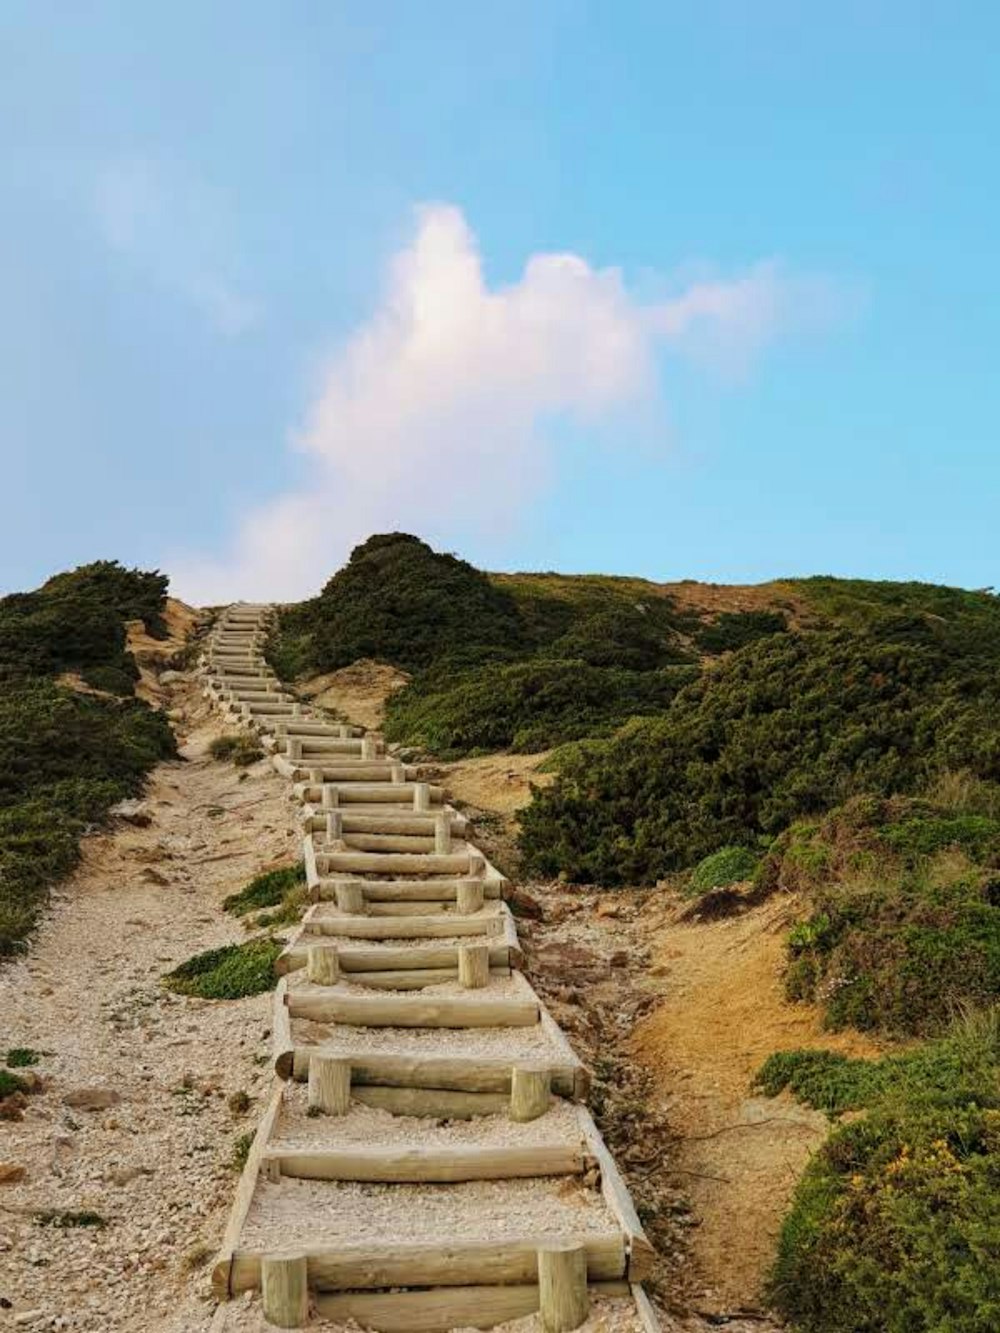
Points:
(738, 1155)
(500, 782)
(155, 1165)
(358, 693)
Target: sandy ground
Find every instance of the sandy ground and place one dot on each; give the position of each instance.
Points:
(737, 1155)
(153, 1161)
(358, 693)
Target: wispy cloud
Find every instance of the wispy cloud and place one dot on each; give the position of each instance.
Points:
(172, 231)
(434, 414)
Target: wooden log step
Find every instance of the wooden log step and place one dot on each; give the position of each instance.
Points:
(411, 890)
(398, 793)
(452, 1073)
(361, 771)
(364, 962)
(441, 1309)
(394, 820)
(438, 1165)
(416, 978)
(331, 1005)
(405, 927)
(396, 863)
(436, 1264)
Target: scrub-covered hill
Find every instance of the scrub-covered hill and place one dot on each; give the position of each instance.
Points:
(74, 739)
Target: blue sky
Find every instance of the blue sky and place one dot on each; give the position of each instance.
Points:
(265, 289)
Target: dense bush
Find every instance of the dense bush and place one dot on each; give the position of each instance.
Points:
(894, 1225)
(729, 865)
(904, 922)
(400, 602)
(735, 629)
(66, 757)
(523, 706)
(789, 725)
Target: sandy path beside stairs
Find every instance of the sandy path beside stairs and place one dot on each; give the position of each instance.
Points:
(153, 1161)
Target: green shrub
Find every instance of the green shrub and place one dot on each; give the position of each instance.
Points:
(266, 890)
(65, 757)
(894, 1223)
(10, 1083)
(903, 924)
(67, 1219)
(228, 973)
(400, 602)
(242, 749)
(523, 706)
(729, 865)
(788, 726)
(735, 629)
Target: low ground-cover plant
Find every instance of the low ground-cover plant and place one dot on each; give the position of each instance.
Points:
(894, 1222)
(228, 973)
(282, 890)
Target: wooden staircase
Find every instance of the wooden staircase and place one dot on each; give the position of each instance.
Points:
(426, 1161)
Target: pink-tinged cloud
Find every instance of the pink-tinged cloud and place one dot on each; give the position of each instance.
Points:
(433, 416)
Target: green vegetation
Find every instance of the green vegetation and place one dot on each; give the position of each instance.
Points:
(729, 865)
(904, 919)
(524, 706)
(282, 889)
(400, 602)
(241, 1150)
(67, 757)
(10, 1083)
(66, 1219)
(228, 973)
(21, 1057)
(735, 629)
(242, 749)
(894, 1223)
(788, 726)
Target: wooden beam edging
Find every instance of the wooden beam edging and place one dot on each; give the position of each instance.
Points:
(639, 1249)
(222, 1270)
(443, 1263)
(560, 1041)
(644, 1309)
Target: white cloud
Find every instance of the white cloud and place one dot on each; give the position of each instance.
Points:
(432, 417)
(171, 231)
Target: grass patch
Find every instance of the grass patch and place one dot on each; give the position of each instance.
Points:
(242, 749)
(228, 973)
(241, 1150)
(21, 1057)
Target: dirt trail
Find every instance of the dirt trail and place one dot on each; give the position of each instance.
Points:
(738, 1156)
(153, 1161)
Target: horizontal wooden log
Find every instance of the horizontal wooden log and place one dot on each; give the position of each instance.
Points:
(405, 927)
(329, 1005)
(366, 772)
(383, 958)
(439, 1165)
(396, 863)
(417, 978)
(441, 1309)
(390, 819)
(411, 890)
(457, 1264)
(454, 1073)
(397, 794)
